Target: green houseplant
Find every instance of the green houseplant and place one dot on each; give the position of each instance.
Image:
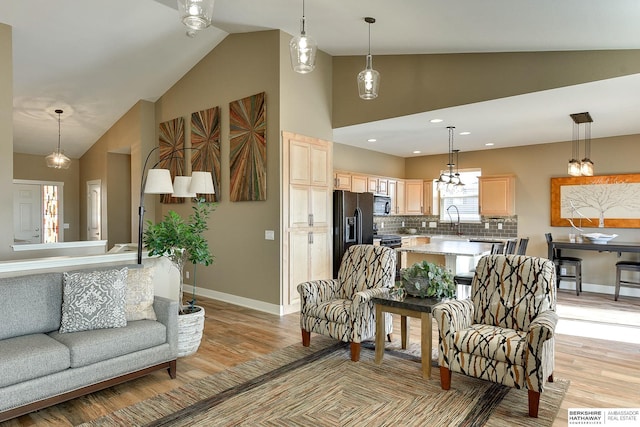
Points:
(182, 241)
(426, 280)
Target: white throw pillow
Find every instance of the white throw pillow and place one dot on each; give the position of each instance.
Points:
(140, 293)
(94, 300)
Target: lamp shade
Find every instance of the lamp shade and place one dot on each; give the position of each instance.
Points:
(202, 183)
(57, 160)
(158, 182)
(196, 14)
(181, 186)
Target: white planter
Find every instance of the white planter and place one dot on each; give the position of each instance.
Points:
(190, 327)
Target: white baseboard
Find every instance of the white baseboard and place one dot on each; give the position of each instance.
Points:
(601, 289)
(241, 301)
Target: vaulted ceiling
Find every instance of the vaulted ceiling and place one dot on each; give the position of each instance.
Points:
(95, 59)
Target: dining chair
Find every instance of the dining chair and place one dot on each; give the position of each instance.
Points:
(465, 279)
(522, 246)
(562, 262)
(510, 247)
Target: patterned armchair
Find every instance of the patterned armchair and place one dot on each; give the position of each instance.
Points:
(504, 333)
(342, 308)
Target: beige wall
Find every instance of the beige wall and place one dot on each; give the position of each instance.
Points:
(534, 166)
(28, 166)
(354, 159)
(6, 137)
(417, 83)
(242, 65)
(118, 201)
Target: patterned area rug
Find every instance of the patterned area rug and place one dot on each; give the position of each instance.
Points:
(320, 386)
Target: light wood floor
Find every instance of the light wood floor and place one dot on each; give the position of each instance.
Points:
(603, 373)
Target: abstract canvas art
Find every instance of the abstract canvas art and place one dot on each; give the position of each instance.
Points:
(205, 138)
(171, 142)
(248, 148)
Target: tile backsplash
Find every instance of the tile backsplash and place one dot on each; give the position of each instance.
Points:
(394, 225)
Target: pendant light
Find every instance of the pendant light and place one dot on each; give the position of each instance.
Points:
(584, 167)
(196, 14)
(303, 50)
(57, 159)
(368, 79)
(450, 182)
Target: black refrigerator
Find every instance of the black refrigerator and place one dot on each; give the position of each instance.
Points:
(352, 222)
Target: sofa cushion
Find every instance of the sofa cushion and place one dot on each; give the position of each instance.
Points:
(31, 356)
(94, 346)
(30, 304)
(140, 293)
(94, 300)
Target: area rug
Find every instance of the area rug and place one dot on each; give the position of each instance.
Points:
(321, 386)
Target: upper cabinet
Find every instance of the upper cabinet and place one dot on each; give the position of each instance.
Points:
(377, 185)
(342, 181)
(497, 195)
(414, 193)
(359, 183)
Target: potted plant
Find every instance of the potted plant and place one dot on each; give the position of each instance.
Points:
(426, 280)
(183, 241)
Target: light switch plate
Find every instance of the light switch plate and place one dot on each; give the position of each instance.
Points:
(499, 226)
(269, 235)
(433, 224)
(424, 224)
(486, 225)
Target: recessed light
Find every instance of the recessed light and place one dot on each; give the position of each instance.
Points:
(417, 152)
(435, 120)
(465, 133)
(489, 144)
(371, 140)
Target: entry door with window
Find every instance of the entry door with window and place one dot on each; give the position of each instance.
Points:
(37, 211)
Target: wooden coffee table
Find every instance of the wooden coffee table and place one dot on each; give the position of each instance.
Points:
(408, 306)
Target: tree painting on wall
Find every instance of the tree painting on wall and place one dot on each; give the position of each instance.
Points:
(596, 201)
(205, 138)
(248, 145)
(171, 142)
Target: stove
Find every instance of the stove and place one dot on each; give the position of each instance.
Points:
(390, 240)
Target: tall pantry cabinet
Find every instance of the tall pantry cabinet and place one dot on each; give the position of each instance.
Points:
(306, 213)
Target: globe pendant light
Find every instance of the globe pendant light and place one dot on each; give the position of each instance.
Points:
(303, 50)
(57, 159)
(451, 182)
(368, 79)
(196, 14)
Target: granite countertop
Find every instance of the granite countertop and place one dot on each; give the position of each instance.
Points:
(450, 247)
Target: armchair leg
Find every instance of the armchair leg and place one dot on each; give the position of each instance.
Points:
(534, 403)
(306, 338)
(355, 351)
(445, 378)
(389, 337)
(550, 379)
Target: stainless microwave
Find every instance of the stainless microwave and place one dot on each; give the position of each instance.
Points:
(381, 205)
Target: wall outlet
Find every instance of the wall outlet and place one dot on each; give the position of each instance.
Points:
(424, 224)
(563, 271)
(499, 226)
(186, 274)
(269, 235)
(433, 224)
(402, 223)
(382, 225)
(486, 225)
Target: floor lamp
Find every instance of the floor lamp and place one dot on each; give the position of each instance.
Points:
(158, 181)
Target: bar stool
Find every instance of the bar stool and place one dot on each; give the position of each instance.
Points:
(566, 261)
(626, 266)
(463, 280)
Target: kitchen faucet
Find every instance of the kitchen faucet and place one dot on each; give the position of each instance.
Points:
(451, 219)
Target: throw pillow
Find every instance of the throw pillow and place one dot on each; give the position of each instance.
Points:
(140, 293)
(93, 300)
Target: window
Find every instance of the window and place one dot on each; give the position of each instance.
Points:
(466, 200)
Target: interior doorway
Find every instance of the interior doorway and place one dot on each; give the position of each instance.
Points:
(37, 211)
(94, 210)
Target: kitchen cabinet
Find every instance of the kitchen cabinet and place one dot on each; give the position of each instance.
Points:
(430, 206)
(307, 196)
(496, 195)
(377, 185)
(359, 183)
(414, 197)
(342, 181)
(395, 191)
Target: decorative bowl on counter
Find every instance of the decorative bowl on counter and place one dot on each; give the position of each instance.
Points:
(599, 237)
(412, 230)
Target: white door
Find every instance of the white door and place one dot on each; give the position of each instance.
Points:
(27, 213)
(94, 210)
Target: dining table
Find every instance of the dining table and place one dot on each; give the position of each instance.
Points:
(458, 256)
(586, 245)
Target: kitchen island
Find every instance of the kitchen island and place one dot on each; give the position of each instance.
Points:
(458, 256)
